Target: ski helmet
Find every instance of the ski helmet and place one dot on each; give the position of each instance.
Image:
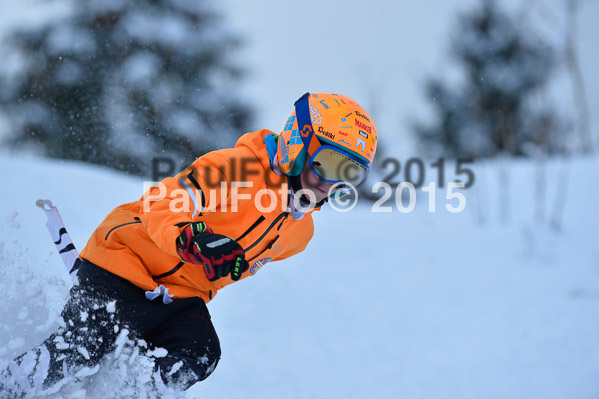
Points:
(333, 132)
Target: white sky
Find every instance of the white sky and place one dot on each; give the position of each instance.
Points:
(378, 52)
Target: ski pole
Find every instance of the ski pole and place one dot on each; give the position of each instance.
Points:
(60, 236)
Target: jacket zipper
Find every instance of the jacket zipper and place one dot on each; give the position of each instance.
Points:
(267, 230)
(282, 221)
(121, 225)
(172, 271)
(269, 246)
(252, 227)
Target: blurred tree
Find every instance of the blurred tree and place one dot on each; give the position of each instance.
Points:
(505, 69)
(120, 82)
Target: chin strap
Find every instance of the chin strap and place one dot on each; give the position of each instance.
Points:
(322, 202)
(295, 182)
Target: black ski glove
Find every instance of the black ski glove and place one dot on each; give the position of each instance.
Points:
(218, 254)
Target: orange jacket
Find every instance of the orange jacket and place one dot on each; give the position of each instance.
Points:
(139, 244)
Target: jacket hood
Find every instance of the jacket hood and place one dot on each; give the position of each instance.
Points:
(254, 141)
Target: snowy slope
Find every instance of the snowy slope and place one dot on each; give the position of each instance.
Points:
(392, 305)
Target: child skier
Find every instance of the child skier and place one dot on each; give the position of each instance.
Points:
(152, 265)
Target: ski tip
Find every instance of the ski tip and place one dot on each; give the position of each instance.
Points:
(45, 204)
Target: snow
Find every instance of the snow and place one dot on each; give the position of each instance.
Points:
(490, 303)
(69, 73)
(72, 40)
(148, 28)
(83, 352)
(158, 352)
(111, 306)
(141, 68)
(176, 367)
(486, 303)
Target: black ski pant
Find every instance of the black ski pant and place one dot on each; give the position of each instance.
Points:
(102, 305)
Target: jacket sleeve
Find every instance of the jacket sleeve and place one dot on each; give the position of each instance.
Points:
(181, 199)
(302, 234)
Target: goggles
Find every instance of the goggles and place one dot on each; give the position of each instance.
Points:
(329, 164)
(334, 165)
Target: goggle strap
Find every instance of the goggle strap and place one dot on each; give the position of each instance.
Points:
(304, 124)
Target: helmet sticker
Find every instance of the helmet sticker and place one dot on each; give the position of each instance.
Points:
(344, 142)
(362, 143)
(362, 125)
(326, 133)
(362, 116)
(343, 133)
(363, 134)
(315, 115)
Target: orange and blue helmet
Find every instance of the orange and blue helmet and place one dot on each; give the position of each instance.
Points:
(331, 131)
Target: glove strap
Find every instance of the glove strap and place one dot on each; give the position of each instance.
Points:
(192, 229)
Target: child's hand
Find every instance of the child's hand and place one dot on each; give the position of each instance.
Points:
(218, 254)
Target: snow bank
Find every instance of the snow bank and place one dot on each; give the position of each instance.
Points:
(415, 305)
